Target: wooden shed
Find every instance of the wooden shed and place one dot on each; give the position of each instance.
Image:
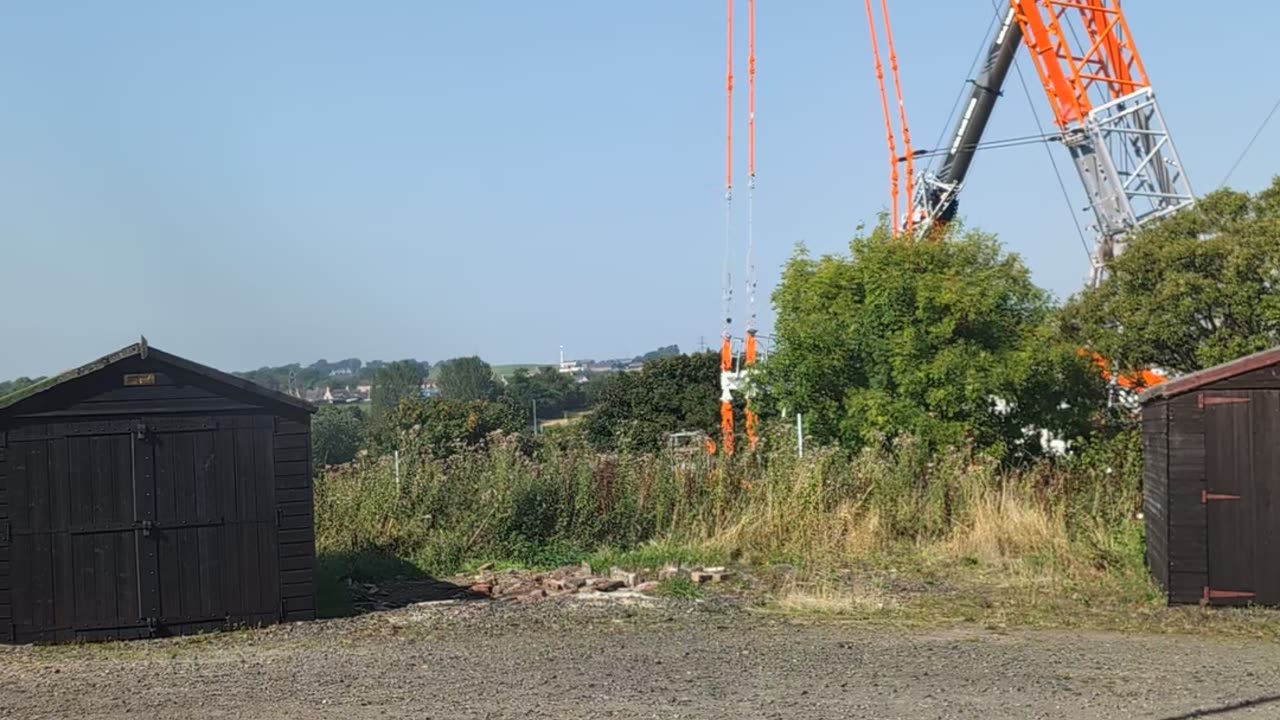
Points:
(1211, 483)
(145, 495)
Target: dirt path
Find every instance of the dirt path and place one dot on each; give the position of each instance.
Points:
(550, 660)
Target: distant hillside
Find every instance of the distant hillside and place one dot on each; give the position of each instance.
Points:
(354, 371)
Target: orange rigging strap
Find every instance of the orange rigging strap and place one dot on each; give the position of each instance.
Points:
(894, 158)
(726, 348)
(888, 121)
(750, 360)
(728, 115)
(902, 112)
(751, 86)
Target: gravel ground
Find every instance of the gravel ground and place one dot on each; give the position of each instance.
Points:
(639, 658)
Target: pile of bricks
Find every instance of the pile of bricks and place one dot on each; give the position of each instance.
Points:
(525, 586)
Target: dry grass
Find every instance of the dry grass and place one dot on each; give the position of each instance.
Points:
(888, 535)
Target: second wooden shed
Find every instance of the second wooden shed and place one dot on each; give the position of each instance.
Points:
(1211, 483)
(144, 494)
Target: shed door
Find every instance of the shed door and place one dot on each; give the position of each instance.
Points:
(129, 529)
(75, 545)
(1242, 470)
(214, 518)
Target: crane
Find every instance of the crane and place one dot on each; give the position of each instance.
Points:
(1104, 107)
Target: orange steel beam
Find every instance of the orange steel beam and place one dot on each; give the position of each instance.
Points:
(1083, 52)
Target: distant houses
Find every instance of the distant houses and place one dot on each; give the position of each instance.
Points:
(337, 393)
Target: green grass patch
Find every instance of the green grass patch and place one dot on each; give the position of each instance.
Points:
(679, 587)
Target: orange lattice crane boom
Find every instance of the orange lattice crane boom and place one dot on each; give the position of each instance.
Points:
(1104, 104)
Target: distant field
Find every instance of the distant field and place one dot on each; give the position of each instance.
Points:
(503, 371)
(569, 417)
(509, 370)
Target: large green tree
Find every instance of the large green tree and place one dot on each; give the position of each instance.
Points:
(554, 391)
(636, 411)
(394, 383)
(444, 427)
(947, 340)
(1191, 291)
(336, 434)
(467, 379)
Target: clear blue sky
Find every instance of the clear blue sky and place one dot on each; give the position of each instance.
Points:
(257, 183)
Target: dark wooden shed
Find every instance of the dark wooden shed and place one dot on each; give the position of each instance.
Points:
(1211, 483)
(144, 495)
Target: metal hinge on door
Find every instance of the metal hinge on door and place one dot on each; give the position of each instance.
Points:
(6, 535)
(1206, 496)
(1210, 594)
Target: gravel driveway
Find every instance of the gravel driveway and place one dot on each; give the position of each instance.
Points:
(640, 659)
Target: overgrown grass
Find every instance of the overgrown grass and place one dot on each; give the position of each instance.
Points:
(898, 535)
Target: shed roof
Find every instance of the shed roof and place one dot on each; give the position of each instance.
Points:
(143, 350)
(1201, 378)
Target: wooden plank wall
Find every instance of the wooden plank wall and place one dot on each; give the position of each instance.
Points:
(6, 603)
(295, 505)
(1155, 489)
(1187, 541)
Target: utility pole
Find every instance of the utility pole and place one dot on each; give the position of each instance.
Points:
(535, 417)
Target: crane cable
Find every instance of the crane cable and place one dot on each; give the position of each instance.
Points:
(955, 104)
(1249, 145)
(1062, 185)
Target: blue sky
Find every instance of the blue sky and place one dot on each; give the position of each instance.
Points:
(258, 183)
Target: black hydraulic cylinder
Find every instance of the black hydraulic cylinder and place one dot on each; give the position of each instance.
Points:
(977, 110)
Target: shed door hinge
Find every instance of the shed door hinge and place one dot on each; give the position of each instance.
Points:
(1210, 594)
(1202, 401)
(6, 535)
(1206, 496)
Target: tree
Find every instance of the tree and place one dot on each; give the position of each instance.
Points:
(1192, 291)
(444, 427)
(9, 387)
(636, 411)
(393, 383)
(946, 340)
(336, 433)
(662, 352)
(467, 379)
(554, 391)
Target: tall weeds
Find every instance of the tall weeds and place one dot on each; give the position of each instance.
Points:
(560, 501)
